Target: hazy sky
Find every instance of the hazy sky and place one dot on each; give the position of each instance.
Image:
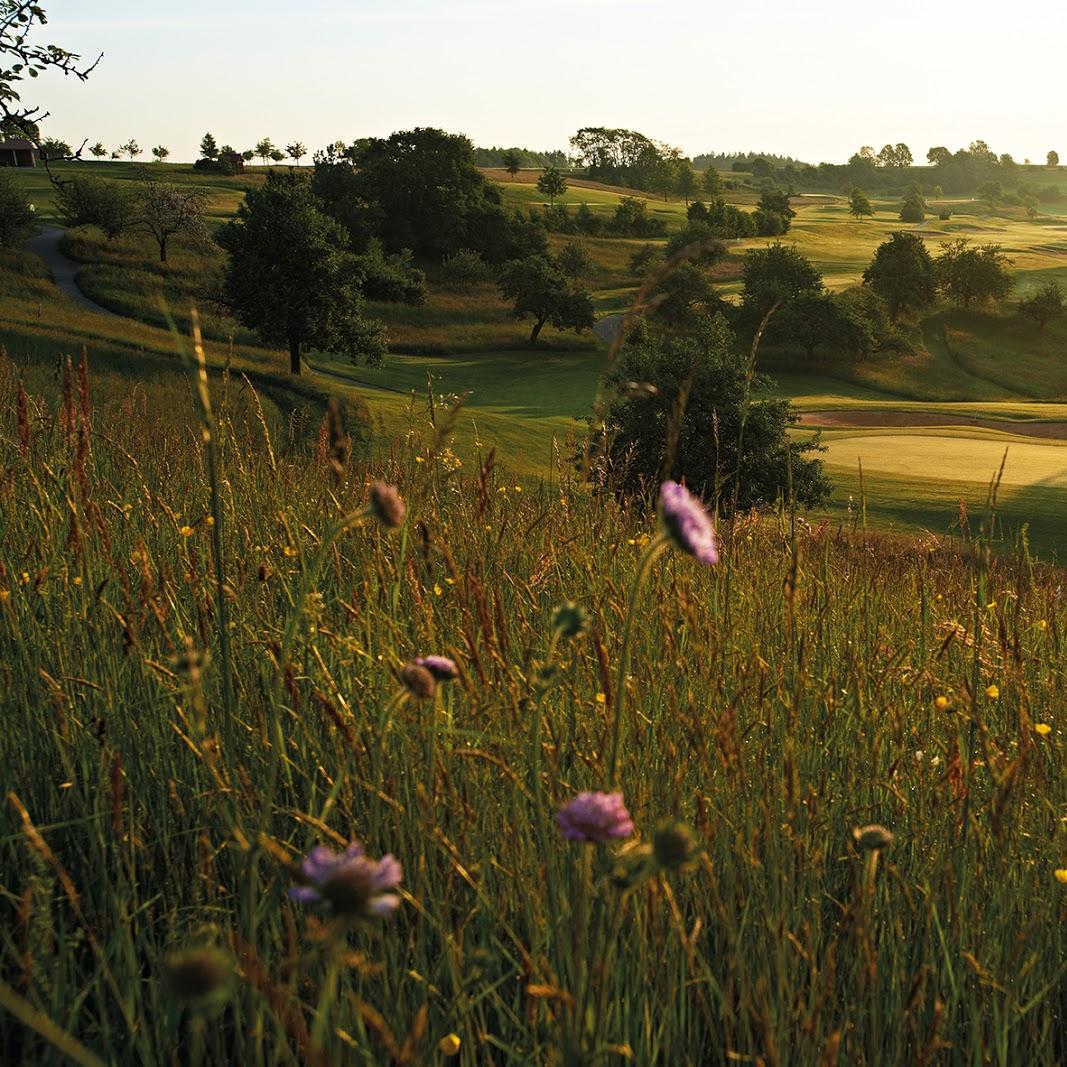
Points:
(815, 80)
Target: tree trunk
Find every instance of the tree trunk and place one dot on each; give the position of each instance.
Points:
(162, 249)
(294, 357)
(536, 330)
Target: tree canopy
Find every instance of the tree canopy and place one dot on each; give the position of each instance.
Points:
(540, 289)
(902, 273)
(290, 278)
(689, 426)
(969, 273)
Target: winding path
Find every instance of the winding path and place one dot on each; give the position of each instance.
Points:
(46, 244)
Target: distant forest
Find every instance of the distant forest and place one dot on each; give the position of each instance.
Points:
(494, 157)
(726, 160)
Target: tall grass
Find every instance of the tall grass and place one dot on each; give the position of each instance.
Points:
(153, 811)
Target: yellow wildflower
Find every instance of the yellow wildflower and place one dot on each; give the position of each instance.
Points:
(420, 459)
(186, 531)
(5, 596)
(993, 692)
(437, 590)
(1061, 875)
(1042, 728)
(942, 703)
(210, 520)
(601, 698)
(518, 489)
(1042, 624)
(449, 1045)
(77, 579)
(290, 552)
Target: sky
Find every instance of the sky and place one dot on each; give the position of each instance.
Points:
(814, 80)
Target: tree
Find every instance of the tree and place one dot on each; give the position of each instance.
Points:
(296, 151)
(552, 184)
(160, 152)
(1044, 305)
(992, 192)
(53, 148)
(937, 192)
(16, 215)
(574, 259)
(167, 211)
(208, 148)
(773, 276)
(290, 278)
(276, 155)
(540, 290)
(21, 59)
(712, 182)
(690, 425)
(913, 209)
(512, 161)
(683, 298)
(686, 181)
(1053, 158)
(859, 206)
(263, 149)
(85, 201)
(248, 155)
(939, 157)
(419, 189)
(773, 213)
(98, 150)
(902, 273)
(131, 148)
(972, 273)
(810, 319)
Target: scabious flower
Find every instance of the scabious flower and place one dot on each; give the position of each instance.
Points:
(871, 838)
(418, 680)
(386, 505)
(598, 817)
(442, 668)
(687, 524)
(349, 883)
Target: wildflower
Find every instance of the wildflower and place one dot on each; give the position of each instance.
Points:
(1061, 875)
(601, 698)
(5, 596)
(290, 552)
(687, 524)
(675, 846)
(993, 692)
(386, 505)
(570, 619)
(418, 680)
(449, 1045)
(442, 668)
(209, 521)
(871, 838)
(348, 882)
(420, 459)
(77, 579)
(1042, 624)
(1042, 728)
(437, 590)
(598, 817)
(942, 703)
(199, 975)
(186, 531)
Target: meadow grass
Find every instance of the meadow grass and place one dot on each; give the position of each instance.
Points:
(200, 639)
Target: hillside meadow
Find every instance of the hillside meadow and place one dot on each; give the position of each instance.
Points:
(530, 402)
(204, 634)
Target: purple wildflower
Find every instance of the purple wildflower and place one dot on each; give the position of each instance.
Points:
(441, 667)
(349, 882)
(386, 505)
(687, 524)
(595, 817)
(418, 680)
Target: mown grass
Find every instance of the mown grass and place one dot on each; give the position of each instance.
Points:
(774, 702)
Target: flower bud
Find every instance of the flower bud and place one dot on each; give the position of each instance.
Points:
(570, 619)
(675, 846)
(871, 838)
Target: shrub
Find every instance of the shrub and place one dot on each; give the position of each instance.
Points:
(16, 215)
(223, 165)
(466, 267)
(391, 278)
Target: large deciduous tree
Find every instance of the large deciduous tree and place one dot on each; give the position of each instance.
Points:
(539, 289)
(773, 276)
(902, 273)
(690, 425)
(969, 273)
(290, 277)
(166, 211)
(859, 205)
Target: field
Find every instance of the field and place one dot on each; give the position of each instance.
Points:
(201, 638)
(527, 403)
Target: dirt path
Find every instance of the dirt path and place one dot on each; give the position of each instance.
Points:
(889, 418)
(46, 244)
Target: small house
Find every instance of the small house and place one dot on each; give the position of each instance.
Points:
(16, 152)
(235, 160)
